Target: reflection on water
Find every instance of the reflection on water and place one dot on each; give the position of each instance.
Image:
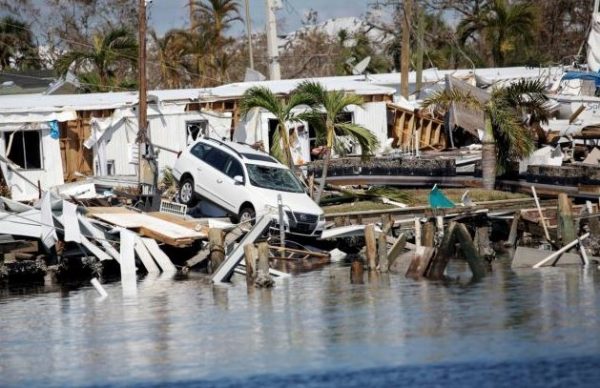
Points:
(187, 330)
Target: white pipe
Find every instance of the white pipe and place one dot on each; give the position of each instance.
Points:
(561, 251)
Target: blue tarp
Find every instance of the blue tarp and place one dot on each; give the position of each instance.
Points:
(438, 200)
(582, 75)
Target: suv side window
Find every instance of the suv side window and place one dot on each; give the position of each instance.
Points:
(200, 150)
(217, 159)
(234, 168)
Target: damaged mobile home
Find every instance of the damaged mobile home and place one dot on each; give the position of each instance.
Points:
(49, 140)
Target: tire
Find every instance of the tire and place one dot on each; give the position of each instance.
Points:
(246, 214)
(186, 192)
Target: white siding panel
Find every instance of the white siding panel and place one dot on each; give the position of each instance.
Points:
(373, 116)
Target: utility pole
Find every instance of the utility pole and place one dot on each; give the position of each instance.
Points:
(142, 137)
(147, 167)
(272, 50)
(405, 54)
(420, 48)
(249, 32)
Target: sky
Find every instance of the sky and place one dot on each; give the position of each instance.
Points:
(167, 14)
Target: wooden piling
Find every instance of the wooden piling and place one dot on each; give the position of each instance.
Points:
(420, 263)
(428, 234)
(514, 230)
(382, 265)
(470, 252)
(386, 223)
(396, 249)
(357, 271)
(250, 258)
(417, 232)
(263, 278)
(593, 222)
(371, 247)
(443, 254)
(566, 224)
(217, 250)
(483, 243)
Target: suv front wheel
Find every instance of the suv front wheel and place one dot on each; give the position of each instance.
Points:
(247, 214)
(186, 192)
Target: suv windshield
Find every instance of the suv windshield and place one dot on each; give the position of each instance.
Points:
(273, 178)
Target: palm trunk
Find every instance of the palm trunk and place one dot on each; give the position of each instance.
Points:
(323, 175)
(488, 156)
(285, 143)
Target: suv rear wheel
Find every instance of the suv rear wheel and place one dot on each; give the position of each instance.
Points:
(186, 192)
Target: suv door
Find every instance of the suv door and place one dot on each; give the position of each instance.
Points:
(218, 185)
(199, 167)
(235, 193)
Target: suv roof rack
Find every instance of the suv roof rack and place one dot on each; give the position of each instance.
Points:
(225, 145)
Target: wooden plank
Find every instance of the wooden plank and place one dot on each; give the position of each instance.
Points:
(427, 135)
(437, 134)
(163, 231)
(161, 258)
(145, 256)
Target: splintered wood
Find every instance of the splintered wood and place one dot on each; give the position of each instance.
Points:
(165, 228)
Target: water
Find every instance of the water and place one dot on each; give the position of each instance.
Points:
(526, 328)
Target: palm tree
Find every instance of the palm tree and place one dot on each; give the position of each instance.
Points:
(107, 52)
(507, 116)
(327, 108)
(215, 17)
(218, 15)
(282, 109)
(17, 47)
(172, 51)
(502, 24)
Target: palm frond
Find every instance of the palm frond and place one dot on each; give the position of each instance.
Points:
(367, 140)
(260, 97)
(443, 100)
(513, 140)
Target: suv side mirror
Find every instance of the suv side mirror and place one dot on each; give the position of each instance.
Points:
(238, 180)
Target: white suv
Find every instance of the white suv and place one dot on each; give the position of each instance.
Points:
(245, 183)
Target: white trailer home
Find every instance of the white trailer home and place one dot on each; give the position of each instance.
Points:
(47, 140)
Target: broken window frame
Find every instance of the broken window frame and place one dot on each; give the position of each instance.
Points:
(9, 143)
(203, 131)
(110, 167)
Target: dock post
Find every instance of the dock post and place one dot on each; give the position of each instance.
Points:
(566, 225)
(263, 278)
(444, 252)
(470, 252)
(383, 264)
(417, 232)
(371, 247)
(250, 256)
(514, 230)
(216, 248)
(357, 271)
(593, 223)
(428, 235)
